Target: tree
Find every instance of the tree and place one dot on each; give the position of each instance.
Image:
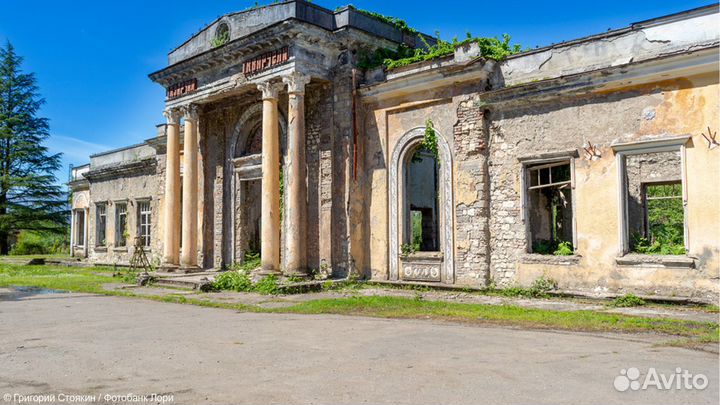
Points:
(30, 196)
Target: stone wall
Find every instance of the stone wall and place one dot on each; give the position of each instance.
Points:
(472, 233)
(129, 189)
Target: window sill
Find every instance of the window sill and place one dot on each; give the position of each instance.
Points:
(100, 248)
(423, 257)
(663, 261)
(120, 249)
(535, 258)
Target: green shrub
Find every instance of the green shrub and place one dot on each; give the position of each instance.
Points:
(268, 285)
(628, 300)
(564, 249)
(40, 243)
(234, 280)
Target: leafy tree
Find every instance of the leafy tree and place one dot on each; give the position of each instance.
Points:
(30, 197)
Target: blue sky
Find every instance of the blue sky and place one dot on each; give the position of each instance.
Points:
(92, 58)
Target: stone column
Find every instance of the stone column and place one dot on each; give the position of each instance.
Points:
(296, 209)
(171, 238)
(270, 215)
(188, 258)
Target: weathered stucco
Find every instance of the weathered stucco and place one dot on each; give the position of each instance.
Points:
(582, 101)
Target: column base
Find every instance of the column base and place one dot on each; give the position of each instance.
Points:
(168, 268)
(189, 269)
(298, 273)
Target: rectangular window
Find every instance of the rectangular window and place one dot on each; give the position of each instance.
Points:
(80, 227)
(121, 233)
(652, 196)
(100, 224)
(549, 207)
(654, 203)
(144, 218)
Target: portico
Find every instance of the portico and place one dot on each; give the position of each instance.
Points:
(185, 256)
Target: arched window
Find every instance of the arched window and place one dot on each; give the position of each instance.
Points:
(421, 210)
(421, 201)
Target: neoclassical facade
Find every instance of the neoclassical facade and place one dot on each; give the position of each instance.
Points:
(591, 162)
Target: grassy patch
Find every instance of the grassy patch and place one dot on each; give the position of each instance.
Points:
(75, 279)
(90, 280)
(399, 307)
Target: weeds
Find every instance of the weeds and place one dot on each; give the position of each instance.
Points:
(627, 300)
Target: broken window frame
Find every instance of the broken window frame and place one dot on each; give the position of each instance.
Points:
(622, 150)
(537, 162)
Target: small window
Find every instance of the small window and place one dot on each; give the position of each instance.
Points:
(100, 224)
(549, 208)
(121, 233)
(222, 35)
(144, 222)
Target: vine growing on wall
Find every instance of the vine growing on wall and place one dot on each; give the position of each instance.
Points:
(430, 142)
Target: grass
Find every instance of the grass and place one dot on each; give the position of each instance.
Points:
(90, 280)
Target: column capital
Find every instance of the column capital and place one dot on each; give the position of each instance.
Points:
(296, 82)
(269, 90)
(172, 115)
(190, 112)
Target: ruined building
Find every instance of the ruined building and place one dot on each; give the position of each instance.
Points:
(592, 162)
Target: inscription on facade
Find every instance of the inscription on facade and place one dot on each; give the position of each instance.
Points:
(421, 272)
(266, 61)
(181, 89)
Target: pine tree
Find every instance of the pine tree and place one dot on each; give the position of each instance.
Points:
(30, 196)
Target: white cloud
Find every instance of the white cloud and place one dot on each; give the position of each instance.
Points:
(74, 150)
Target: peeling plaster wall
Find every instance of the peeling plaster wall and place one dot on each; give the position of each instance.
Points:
(129, 189)
(612, 49)
(676, 107)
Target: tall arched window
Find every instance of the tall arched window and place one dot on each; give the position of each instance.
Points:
(421, 201)
(421, 210)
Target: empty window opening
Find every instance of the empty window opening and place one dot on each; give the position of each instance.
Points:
(550, 208)
(100, 224)
(421, 218)
(654, 198)
(121, 233)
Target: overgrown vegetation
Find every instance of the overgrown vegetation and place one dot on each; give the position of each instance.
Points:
(538, 289)
(665, 216)
(220, 40)
(40, 243)
(238, 278)
(398, 23)
(627, 300)
(430, 141)
(547, 247)
(490, 48)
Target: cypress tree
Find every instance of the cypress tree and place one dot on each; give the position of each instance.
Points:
(30, 196)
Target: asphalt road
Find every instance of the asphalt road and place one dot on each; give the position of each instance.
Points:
(107, 347)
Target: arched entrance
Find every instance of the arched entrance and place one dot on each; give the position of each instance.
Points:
(244, 203)
(421, 211)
